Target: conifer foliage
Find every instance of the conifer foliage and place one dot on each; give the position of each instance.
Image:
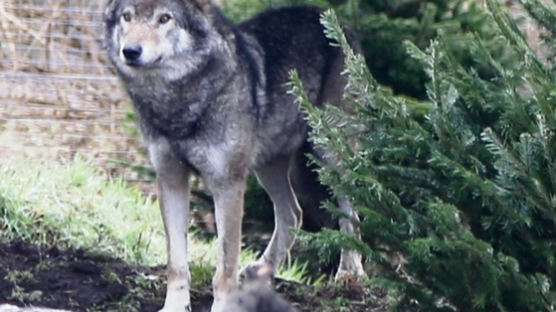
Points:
(459, 189)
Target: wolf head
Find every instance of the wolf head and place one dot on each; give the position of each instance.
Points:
(162, 37)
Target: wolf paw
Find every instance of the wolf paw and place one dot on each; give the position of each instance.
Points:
(350, 274)
(343, 276)
(351, 267)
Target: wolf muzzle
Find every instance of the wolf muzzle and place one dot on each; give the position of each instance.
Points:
(132, 53)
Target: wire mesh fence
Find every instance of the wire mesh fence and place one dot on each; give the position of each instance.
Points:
(59, 96)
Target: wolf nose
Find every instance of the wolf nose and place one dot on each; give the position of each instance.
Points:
(132, 52)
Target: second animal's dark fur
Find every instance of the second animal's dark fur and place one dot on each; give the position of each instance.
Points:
(257, 298)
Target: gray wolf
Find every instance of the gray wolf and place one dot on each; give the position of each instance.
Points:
(211, 99)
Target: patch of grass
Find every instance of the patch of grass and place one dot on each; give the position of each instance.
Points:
(74, 205)
(19, 293)
(18, 276)
(340, 304)
(204, 257)
(296, 271)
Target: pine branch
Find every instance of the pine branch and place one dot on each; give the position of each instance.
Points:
(542, 13)
(496, 147)
(465, 196)
(510, 30)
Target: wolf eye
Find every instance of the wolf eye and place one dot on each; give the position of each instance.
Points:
(164, 18)
(126, 16)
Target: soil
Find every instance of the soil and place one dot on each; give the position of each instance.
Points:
(81, 281)
(75, 280)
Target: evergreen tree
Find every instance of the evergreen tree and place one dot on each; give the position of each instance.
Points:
(461, 187)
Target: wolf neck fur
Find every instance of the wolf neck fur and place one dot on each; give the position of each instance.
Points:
(176, 112)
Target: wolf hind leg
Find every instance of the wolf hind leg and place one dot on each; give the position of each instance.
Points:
(332, 93)
(275, 179)
(351, 261)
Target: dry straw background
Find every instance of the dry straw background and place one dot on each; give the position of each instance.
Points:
(59, 96)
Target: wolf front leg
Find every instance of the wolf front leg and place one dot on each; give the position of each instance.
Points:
(228, 201)
(173, 196)
(174, 203)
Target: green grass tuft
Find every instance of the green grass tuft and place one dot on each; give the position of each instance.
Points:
(74, 205)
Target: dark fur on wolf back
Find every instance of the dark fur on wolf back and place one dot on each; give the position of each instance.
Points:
(290, 37)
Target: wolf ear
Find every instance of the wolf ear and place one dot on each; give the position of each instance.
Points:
(109, 9)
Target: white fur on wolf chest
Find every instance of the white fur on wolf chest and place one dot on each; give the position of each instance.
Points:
(218, 162)
(217, 158)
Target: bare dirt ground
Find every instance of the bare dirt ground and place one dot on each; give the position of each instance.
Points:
(79, 281)
(71, 280)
